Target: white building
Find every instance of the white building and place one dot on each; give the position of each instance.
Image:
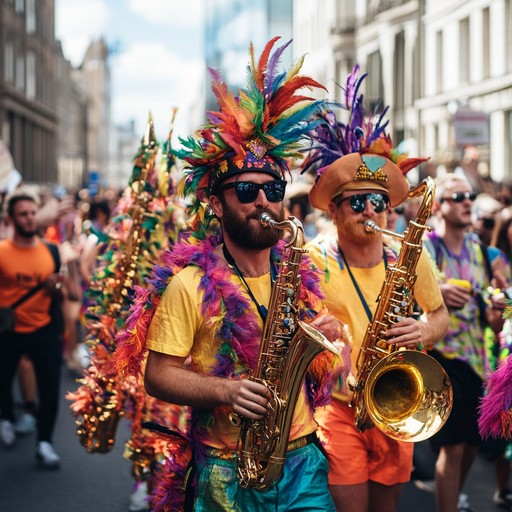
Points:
(437, 63)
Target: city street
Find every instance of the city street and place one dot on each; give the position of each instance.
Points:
(102, 483)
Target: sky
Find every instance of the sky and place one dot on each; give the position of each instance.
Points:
(157, 60)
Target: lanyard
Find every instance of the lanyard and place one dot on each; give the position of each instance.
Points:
(354, 282)
(262, 310)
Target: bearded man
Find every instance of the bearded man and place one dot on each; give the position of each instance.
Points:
(29, 282)
(204, 337)
(366, 469)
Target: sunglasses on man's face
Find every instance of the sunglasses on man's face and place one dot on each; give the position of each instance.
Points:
(247, 192)
(358, 202)
(458, 197)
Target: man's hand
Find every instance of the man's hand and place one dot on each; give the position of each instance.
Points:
(248, 398)
(53, 284)
(329, 326)
(455, 296)
(406, 333)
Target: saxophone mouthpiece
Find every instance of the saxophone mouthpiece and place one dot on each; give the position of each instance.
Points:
(266, 219)
(372, 227)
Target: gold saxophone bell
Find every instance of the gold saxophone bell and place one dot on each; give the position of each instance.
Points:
(408, 396)
(405, 393)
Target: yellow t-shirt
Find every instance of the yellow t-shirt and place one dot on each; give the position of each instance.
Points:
(179, 329)
(342, 299)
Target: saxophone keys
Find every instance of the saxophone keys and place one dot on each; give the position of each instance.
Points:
(235, 420)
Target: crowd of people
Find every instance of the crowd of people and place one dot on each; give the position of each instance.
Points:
(42, 278)
(202, 317)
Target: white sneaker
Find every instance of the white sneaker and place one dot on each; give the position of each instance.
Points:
(25, 424)
(47, 455)
(464, 505)
(139, 498)
(7, 434)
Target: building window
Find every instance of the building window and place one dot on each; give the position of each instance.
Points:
(464, 51)
(31, 76)
(508, 34)
(508, 114)
(486, 57)
(9, 62)
(30, 17)
(19, 6)
(439, 61)
(399, 82)
(374, 86)
(20, 73)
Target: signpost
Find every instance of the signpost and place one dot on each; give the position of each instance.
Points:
(471, 127)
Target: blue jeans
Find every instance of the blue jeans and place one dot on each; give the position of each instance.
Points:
(302, 487)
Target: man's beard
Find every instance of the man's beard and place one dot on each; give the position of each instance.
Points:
(244, 234)
(352, 231)
(24, 233)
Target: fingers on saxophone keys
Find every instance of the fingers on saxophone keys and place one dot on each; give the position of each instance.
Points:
(250, 409)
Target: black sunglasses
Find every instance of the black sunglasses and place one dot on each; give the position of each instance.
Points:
(358, 202)
(247, 192)
(458, 197)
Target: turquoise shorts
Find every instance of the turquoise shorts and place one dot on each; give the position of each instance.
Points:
(303, 486)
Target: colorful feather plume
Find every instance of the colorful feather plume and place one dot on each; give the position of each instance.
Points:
(363, 132)
(148, 218)
(495, 419)
(270, 110)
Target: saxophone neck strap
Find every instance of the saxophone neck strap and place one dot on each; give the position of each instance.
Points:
(343, 262)
(262, 310)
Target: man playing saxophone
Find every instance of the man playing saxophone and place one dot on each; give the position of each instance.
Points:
(215, 305)
(359, 178)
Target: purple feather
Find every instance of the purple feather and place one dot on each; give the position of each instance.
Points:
(270, 86)
(215, 74)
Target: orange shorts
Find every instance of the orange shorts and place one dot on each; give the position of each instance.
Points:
(355, 457)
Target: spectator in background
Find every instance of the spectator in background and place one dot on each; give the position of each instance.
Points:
(395, 219)
(99, 215)
(505, 193)
(485, 209)
(407, 211)
(502, 240)
(463, 353)
(28, 264)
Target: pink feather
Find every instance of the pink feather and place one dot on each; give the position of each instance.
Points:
(495, 410)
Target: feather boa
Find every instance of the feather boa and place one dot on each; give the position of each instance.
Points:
(495, 419)
(232, 322)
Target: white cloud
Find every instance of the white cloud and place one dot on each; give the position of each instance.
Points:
(168, 12)
(77, 22)
(156, 67)
(151, 77)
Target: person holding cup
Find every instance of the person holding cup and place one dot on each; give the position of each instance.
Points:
(460, 257)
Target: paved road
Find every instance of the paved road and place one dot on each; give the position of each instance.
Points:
(102, 482)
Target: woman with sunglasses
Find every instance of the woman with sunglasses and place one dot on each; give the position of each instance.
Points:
(208, 305)
(366, 469)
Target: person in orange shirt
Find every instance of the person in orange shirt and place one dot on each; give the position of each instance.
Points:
(27, 263)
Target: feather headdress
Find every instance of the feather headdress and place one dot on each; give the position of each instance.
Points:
(259, 129)
(358, 151)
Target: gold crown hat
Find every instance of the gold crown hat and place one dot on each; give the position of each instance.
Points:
(357, 155)
(258, 130)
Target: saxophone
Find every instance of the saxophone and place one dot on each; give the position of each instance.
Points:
(96, 425)
(405, 393)
(287, 348)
